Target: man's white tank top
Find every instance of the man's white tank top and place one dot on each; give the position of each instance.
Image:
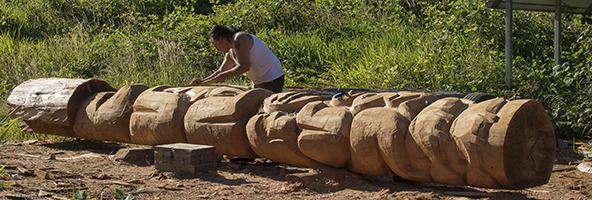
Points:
(265, 66)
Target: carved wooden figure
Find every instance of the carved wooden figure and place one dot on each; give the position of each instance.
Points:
(496, 143)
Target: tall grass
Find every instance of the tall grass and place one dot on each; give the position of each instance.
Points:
(6, 126)
(405, 58)
(10, 130)
(407, 45)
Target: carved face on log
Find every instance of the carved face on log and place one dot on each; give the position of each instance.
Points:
(275, 136)
(220, 120)
(495, 143)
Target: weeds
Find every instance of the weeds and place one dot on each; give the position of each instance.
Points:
(3, 185)
(428, 45)
(10, 130)
(119, 195)
(122, 196)
(80, 195)
(6, 125)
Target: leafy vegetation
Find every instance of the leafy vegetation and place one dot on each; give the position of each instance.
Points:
(6, 125)
(80, 195)
(8, 128)
(408, 45)
(121, 195)
(2, 184)
(118, 194)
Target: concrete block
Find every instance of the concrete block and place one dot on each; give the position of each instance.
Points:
(183, 158)
(184, 169)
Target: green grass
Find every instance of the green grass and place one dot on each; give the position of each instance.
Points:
(447, 46)
(2, 184)
(119, 195)
(6, 126)
(10, 131)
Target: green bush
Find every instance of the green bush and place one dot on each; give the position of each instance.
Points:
(395, 44)
(30, 19)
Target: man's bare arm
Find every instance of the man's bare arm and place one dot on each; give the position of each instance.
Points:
(226, 65)
(243, 45)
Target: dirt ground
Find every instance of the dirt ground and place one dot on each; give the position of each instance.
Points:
(42, 169)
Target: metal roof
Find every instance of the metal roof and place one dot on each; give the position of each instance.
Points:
(568, 6)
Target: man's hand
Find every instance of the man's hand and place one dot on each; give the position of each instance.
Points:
(195, 82)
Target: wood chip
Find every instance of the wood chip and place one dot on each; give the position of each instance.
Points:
(52, 156)
(43, 193)
(25, 171)
(88, 155)
(469, 194)
(167, 187)
(29, 142)
(122, 183)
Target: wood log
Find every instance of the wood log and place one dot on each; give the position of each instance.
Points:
(346, 99)
(471, 132)
(431, 129)
(106, 115)
(49, 105)
(229, 138)
(420, 163)
(275, 136)
(228, 106)
(157, 117)
(368, 100)
(325, 133)
(528, 147)
(508, 144)
(83, 124)
(221, 120)
(194, 93)
(223, 91)
(408, 103)
(410, 108)
(493, 144)
(289, 102)
(394, 142)
(366, 157)
(395, 100)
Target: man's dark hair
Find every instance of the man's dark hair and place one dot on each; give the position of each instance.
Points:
(222, 32)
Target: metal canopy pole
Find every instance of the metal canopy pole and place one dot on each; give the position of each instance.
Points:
(509, 43)
(557, 43)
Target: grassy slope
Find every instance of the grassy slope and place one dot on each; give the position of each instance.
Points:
(323, 43)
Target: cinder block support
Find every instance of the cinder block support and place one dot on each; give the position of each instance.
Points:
(185, 159)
